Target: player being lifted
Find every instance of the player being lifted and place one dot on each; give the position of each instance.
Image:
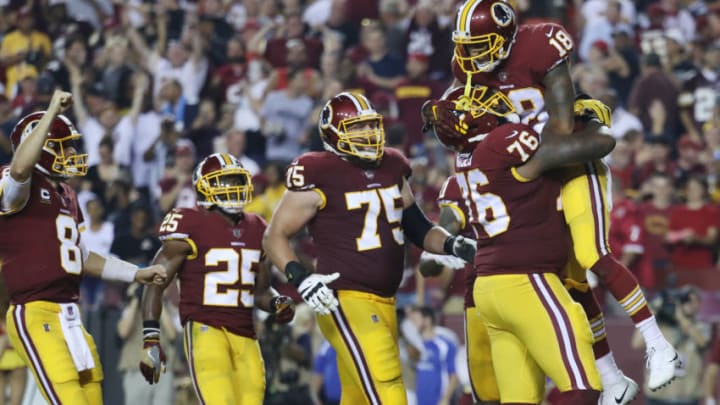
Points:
(534, 326)
(215, 249)
(43, 257)
(359, 208)
(528, 63)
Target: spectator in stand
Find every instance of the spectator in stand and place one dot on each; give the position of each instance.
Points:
(410, 95)
(27, 94)
(699, 96)
(693, 229)
(710, 381)
(601, 28)
(107, 170)
(285, 119)
(339, 24)
(176, 189)
(7, 123)
(297, 61)
(688, 162)
(652, 90)
(136, 242)
(622, 120)
(436, 379)
(229, 79)
(428, 33)
(161, 153)
(626, 229)
(393, 19)
(23, 46)
(658, 161)
(129, 329)
(677, 58)
(264, 204)
(234, 143)
(173, 104)
(655, 263)
(622, 166)
(626, 51)
(115, 71)
(75, 54)
(98, 237)
(276, 50)
(325, 382)
(381, 68)
(204, 129)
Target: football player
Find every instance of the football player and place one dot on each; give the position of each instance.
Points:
(535, 327)
(454, 218)
(359, 208)
(215, 249)
(43, 257)
(529, 64)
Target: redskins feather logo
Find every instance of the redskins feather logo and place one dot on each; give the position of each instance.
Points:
(502, 14)
(326, 116)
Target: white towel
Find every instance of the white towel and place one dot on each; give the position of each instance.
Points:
(75, 338)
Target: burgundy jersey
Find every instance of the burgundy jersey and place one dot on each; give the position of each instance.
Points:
(39, 244)
(537, 49)
(518, 224)
(698, 96)
(357, 230)
(451, 196)
(217, 279)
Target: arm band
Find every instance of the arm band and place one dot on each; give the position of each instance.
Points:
(415, 225)
(151, 329)
(448, 245)
(296, 273)
(118, 270)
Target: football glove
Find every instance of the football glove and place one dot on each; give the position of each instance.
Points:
(461, 247)
(443, 116)
(451, 262)
(283, 308)
(314, 290)
(585, 106)
(152, 362)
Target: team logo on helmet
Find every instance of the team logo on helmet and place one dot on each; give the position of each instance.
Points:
(502, 14)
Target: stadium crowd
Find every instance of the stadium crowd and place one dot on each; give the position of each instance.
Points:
(158, 85)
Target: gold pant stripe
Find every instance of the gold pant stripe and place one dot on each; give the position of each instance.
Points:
(191, 361)
(37, 365)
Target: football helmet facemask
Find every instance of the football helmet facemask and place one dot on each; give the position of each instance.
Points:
(220, 180)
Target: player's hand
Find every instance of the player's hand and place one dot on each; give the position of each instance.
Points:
(60, 101)
(317, 294)
(593, 109)
(442, 115)
(448, 261)
(462, 247)
(155, 274)
(283, 309)
(152, 362)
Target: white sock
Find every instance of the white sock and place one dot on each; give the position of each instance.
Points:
(609, 372)
(651, 334)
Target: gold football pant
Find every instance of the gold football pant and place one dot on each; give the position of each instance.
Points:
(535, 329)
(479, 357)
(586, 208)
(34, 331)
(225, 368)
(363, 331)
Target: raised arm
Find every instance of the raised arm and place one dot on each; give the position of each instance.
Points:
(76, 81)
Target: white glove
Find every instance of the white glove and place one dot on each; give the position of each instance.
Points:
(710, 401)
(451, 262)
(315, 292)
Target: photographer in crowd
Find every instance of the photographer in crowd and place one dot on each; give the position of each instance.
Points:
(676, 311)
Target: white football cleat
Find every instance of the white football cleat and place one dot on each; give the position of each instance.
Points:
(661, 366)
(619, 393)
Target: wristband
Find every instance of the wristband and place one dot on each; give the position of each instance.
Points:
(118, 270)
(296, 273)
(151, 329)
(448, 245)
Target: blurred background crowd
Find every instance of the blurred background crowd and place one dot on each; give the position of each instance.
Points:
(160, 84)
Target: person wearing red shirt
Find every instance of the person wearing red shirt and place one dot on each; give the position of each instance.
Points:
(626, 233)
(693, 229)
(656, 222)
